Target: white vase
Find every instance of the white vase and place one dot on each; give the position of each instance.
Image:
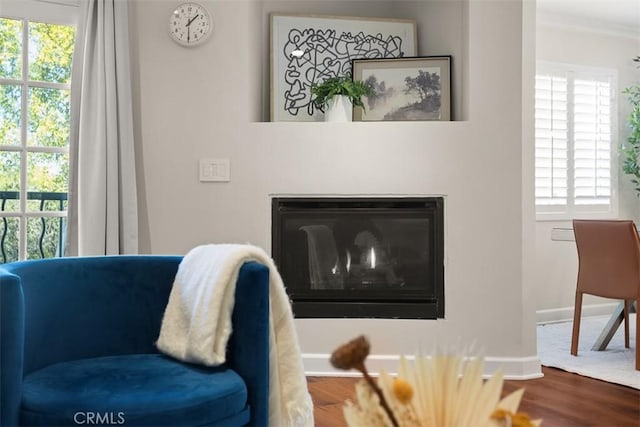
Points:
(339, 109)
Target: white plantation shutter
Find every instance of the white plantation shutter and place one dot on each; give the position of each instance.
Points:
(592, 141)
(551, 140)
(574, 141)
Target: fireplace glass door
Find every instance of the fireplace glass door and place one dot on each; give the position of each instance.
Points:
(361, 257)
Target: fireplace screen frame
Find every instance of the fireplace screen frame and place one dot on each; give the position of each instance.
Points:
(426, 303)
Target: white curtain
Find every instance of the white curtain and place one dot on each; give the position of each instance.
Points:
(102, 212)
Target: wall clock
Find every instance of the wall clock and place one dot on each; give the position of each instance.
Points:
(190, 24)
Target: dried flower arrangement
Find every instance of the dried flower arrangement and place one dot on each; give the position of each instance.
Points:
(436, 391)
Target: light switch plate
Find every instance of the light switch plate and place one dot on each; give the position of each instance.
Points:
(214, 170)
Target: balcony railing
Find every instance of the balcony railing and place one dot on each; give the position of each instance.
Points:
(45, 234)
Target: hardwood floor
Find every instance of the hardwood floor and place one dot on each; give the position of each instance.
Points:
(561, 399)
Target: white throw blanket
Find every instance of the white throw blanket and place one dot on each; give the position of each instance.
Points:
(197, 325)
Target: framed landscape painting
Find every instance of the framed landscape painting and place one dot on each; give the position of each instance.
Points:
(308, 49)
(416, 88)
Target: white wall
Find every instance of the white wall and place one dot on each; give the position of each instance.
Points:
(206, 102)
(557, 261)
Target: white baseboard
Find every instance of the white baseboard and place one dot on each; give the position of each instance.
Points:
(513, 368)
(566, 313)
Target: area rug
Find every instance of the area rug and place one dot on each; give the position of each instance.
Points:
(616, 364)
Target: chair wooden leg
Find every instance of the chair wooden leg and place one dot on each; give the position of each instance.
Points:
(638, 334)
(577, 311)
(627, 307)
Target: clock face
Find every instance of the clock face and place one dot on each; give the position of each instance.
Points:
(189, 24)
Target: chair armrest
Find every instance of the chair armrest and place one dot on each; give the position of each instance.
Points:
(248, 351)
(12, 347)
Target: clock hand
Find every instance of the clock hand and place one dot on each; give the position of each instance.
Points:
(192, 19)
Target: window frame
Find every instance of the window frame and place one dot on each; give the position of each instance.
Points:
(56, 12)
(571, 210)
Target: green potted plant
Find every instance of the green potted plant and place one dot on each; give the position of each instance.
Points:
(336, 97)
(631, 150)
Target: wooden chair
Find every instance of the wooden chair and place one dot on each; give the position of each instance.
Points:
(608, 266)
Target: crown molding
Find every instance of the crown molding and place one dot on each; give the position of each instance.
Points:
(586, 25)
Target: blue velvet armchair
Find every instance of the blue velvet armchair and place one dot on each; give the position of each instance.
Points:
(77, 347)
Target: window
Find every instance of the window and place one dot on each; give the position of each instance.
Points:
(574, 138)
(35, 83)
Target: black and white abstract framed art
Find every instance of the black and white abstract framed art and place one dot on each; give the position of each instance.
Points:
(308, 49)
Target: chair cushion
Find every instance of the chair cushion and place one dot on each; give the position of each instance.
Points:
(140, 389)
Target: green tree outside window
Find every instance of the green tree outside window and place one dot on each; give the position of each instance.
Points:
(37, 138)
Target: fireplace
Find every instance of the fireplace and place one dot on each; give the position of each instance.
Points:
(361, 257)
